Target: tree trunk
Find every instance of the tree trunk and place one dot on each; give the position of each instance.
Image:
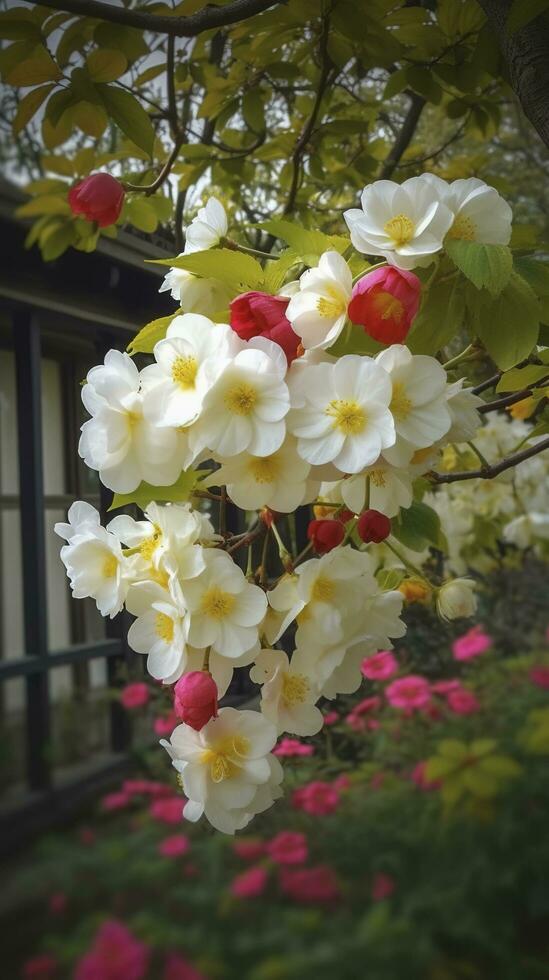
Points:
(526, 53)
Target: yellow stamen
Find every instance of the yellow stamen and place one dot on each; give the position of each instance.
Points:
(110, 566)
(323, 589)
(184, 371)
(132, 419)
(378, 478)
(414, 590)
(264, 470)
(148, 547)
(295, 688)
(463, 228)
(400, 406)
(387, 306)
(400, 228)
(223, 757)
(241, 398)
(333, 305)
(348, 416)
(216, 603)
(164, 627)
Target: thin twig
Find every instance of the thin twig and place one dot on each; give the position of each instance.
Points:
(489, 472)
(404, 138)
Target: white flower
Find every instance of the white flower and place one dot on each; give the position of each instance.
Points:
(456, 598)
(196, 295)
(167, 541)
(81, 516)
(462, 405)
(418, 402)
(406, 223)
(118, 440)
(245, 406)
(390, 489)
(522, 531)
(160, 629)
(94, 561)
(225, 609)
(227, 770)
(278, 481)
(345, 419)
(287, 695)
(177, 383)
(480, 213)
(319, 310)
(208, 228)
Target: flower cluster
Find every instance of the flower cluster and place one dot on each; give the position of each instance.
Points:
(251, 385)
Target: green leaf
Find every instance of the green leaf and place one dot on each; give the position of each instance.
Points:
(53, 245)
(417, 527)
(518, 378)
(37, 67)
(483, 746)
(524, 11)
(17, 25)
(452, 748)
(509, 326)
(276, 272)
(486, 266)
(145, 493)
(233, 268)
(398, 81)
(389, 578)
(89, 117)
(439, 319)
(253, 110)
(28, 105)
(309, 244)
(438, 768)
(480, 783)
(500, 766)
(106, 64)
(536, 274)
(140, 213)
(45, 204)
(150, 334)
(129, 115)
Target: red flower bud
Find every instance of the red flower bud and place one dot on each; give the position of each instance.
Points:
(195, 698)
(325, 535)
(385, 303)
(261, 315)
(373, 526)
(98, 198)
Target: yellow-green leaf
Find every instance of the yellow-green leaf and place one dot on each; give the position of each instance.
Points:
(150, 334)
(140, 213)
(233, 268)
(145, 493)
(487, 266)
(39, 67)
(90, 118)
(106, 64)
(28, 105)
(45, 204)
(129, 115)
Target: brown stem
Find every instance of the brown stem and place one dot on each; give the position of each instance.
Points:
(508, 400)
(489, 472)
(208, 18)
(404, 138)
(162, 176)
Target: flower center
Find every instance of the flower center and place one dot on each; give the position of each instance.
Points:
(184, 371)
(164, 627)
(241, 398)
(378, 478)
(216, 603)
(148, 547)
(110, 566)
(295, 688)
(348, 416)
(159, 575)
(400, 406)
(463, 228)
(223, 758)
(387, 306)
(132, 418)
(323, 589)
(400, 228)
(264, 470)
(332, 305)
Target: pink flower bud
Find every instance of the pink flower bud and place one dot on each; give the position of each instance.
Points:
(195, 698)
(385, 303)
(257, 314)
(325, 535)
(373, 526)
(98, 198)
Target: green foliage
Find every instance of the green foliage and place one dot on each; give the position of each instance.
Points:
(418, 527)
(145, 493)
(150, 334)
(486, 266)
(509, 326)
(233, 268)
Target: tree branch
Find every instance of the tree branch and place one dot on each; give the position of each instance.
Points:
(527, 55)
(489, 472)
(404, 138)
(508, 400)
(203, 20)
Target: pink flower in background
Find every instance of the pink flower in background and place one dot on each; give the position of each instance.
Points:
(115, 801)
(115, 954)
(250, 884)
(87, 836)
(540, 676)
(41, 967)
(379, 666)
(419, 778)
(146, 787)
(342, 782)
(288, 847)
(176, 968)
(382, 886)
(444, 687)
(249, 850)
(165, 724)
(168, 810)
(316, 798)
(471, 644)
(288, 747)
(409, 692)
(135, 695)
(310, 885)
(463, 702)
(57, 903)
(377, 780)
(174, 846)
(331, 718)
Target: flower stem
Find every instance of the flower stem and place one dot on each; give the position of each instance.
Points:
(478, 454)
(407, 564)
(465, 355)
(246, 249)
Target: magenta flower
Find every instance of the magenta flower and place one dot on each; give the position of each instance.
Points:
(177, 968)
(250, 884)
(409, 692)
(471, 644)
(288, 847)
(115, 801)
(174, 846)
(540, 676)
(317, 798)
(331, 718)
(382, 886)
(135, 695)
(463, 702)
(168, 810)
(419, 778)
(41, 967)
(289, 747)
(115, 954)
(379, 666)
(310, 886)
(249, 848)
(165, 724)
